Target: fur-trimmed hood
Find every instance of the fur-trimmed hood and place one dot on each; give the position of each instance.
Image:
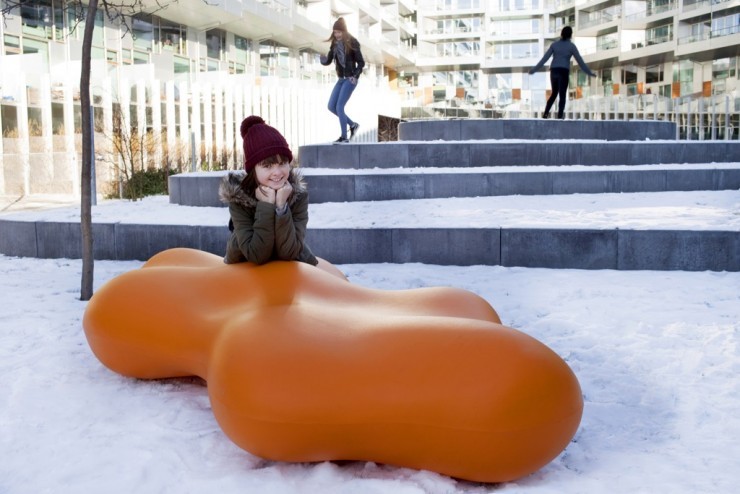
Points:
(231, 192)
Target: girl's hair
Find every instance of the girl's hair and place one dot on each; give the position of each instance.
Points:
(567, 32)
(250, 184)
(347, 38)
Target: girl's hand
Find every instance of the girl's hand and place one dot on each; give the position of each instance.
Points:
(282, 194)
(353, 80)
(265, 194)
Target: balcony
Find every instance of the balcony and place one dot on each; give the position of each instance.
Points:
(701, 4)
(717, 33)
(459, 32)
(653, 10)
(599, 17)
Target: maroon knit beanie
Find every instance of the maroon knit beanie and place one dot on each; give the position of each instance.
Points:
(261, 141)
(340, 25)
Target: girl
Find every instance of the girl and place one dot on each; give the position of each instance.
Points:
(268, 201)
(346, 54)
(561, 51)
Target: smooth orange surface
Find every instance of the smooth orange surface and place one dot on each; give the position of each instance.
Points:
(303, 365)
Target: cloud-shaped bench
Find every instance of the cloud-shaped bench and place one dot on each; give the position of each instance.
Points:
(303, 365)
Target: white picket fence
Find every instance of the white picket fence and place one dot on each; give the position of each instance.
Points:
(47, 159)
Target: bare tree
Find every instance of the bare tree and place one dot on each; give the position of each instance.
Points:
(116, 11)
(86, 233)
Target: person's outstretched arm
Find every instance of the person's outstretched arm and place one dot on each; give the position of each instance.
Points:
(542, 61)
(580, 61)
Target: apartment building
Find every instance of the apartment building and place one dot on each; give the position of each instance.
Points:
(184, 73)
(186, 40)
(471, 52)
(479, 51)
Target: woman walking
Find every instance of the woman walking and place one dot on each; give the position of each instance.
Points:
(347, 57)
(561, 51)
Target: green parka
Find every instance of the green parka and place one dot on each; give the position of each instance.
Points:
(259, 234)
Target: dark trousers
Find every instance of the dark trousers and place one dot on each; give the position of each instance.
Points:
(559, 82)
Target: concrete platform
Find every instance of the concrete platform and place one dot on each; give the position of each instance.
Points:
(536, 129)
(526, 247)
(466, 154)
(201, 189)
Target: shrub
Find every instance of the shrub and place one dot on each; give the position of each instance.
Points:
(141, 183)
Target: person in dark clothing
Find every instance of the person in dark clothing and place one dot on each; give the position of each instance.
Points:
(561, 52)
(347, 57)
(268, 201)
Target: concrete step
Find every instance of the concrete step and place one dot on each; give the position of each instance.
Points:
(466, 154)
(144, 230)
(536, 129)
(201, 189)
(526, 247)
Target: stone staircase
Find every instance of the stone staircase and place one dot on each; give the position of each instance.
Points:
(466, 158)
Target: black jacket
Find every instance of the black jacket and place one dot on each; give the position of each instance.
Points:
(353, 61)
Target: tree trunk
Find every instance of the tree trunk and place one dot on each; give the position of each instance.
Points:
(87, 157)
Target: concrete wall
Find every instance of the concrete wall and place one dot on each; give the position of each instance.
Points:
(548, 248)
(201, 189)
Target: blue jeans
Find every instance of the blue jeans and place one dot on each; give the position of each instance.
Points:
(343, 89)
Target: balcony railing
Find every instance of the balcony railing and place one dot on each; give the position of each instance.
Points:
(652, 10)
(696, 118)
(458, 30)
(601, 17)
(717, 33)
(702, 3)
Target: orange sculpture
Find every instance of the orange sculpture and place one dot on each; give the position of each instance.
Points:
(303, 365)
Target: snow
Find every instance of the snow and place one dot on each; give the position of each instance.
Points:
(656, 353)
(695, 210)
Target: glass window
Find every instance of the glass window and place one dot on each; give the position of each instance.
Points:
(606, 77)
(653, 74)
(243, 48)
(660, 34)
(9, 115)
(37, 18)
(215, 43)
(140, 57)
(57, 118)
(12, 43)
(273, 59)
(35, 46)
(723, 68)
(629, 76)
(59, 20)
(143, 32)
(182, 65)
(172, 36)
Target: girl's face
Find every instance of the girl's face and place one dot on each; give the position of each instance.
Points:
(338, 35)
(273, 176)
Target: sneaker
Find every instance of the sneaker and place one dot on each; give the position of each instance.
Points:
(341, 140)
(353, 130)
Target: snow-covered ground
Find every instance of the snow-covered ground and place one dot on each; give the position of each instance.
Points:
(695, 210)
(657, 355)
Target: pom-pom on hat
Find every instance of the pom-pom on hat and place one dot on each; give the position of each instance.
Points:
(261, 141)
(340, 25)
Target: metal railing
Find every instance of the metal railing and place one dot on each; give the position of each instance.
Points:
(697, 118)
